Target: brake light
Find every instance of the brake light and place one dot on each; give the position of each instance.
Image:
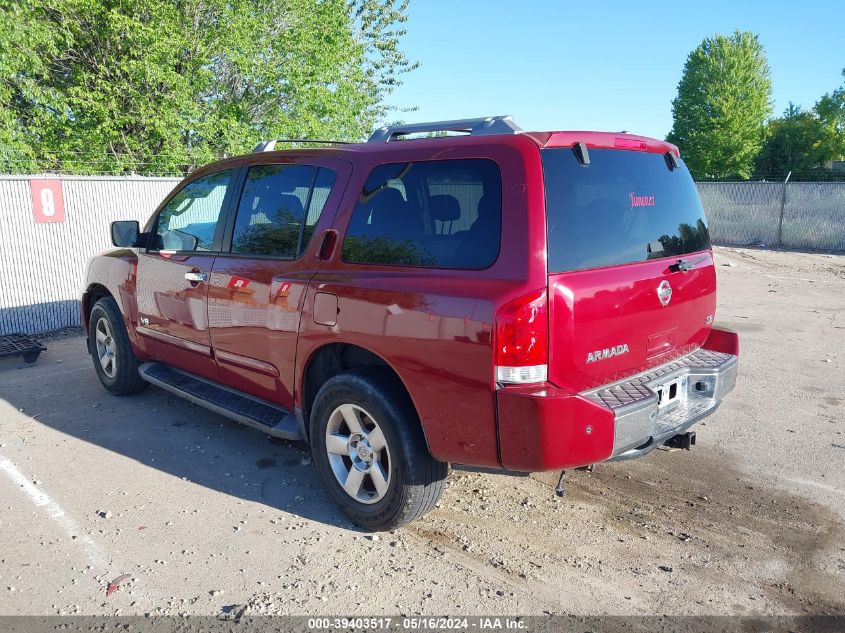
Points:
(630, 143)
(521, 340)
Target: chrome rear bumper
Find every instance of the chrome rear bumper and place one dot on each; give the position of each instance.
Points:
(703, 378)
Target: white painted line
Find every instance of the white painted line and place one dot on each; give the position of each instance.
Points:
(98, 557)
(103, 566)
(812, 281)
(816, 484)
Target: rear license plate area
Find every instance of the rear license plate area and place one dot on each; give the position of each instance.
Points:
(669, 392)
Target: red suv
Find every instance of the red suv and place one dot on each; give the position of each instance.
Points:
(503, 299)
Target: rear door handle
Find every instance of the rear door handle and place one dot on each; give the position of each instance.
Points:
(686, 265)
(196, 277)
(327, 245)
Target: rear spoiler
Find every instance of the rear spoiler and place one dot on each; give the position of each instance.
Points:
(603, 140)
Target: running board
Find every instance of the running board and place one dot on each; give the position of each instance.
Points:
(253, 412)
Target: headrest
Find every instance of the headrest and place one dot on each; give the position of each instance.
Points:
(388, 199)
(444, 208)
(291, 203)
(488, 206)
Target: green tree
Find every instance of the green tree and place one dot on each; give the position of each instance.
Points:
(831, 112)
(724, 99)
(793, 143)
(804, 142)
(155, 86)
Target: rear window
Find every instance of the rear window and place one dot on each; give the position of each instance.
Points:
(436, 214)
(623, 207)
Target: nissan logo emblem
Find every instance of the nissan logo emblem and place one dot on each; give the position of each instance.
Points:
(664, 292)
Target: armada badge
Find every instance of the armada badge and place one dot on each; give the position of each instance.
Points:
(664, 292)
(610, 352)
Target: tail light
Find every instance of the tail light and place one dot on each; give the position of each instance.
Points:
(521, 340)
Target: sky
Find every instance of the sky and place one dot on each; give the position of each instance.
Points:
(601, 65)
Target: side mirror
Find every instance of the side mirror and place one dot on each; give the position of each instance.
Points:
(125, 233)
(185, 241)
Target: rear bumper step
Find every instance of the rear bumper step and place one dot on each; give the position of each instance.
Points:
(253, 412)
(651, 409)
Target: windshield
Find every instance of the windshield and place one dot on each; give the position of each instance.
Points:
(622, 207)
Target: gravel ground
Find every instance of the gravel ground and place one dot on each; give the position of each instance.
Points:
(198, 514)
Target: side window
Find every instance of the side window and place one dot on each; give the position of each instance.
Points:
(279, 208)
(437, 214)
(188, 221)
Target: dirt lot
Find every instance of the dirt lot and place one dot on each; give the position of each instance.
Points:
(201, 513)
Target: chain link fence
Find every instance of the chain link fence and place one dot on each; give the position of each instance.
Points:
(802, 215)
(42, 264)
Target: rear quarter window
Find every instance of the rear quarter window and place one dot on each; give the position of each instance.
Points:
(623, 207)
(436, 214)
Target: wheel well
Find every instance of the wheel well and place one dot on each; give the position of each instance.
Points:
(93, 295)
(335, 358)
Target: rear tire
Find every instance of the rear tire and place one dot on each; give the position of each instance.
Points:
(369, 447)
(114, 361)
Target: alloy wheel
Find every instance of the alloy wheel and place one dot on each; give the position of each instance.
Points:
(106, 348)
(358, 453)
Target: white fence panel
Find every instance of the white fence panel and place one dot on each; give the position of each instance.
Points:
(41, 265)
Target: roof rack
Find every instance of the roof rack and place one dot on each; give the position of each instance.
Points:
(269, 146)
(475, 127)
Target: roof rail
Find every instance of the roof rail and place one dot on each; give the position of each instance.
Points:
(269, 146)
(475, 127)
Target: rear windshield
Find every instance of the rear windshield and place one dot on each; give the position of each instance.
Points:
(623, 207)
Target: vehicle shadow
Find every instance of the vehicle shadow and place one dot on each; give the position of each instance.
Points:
(166, 433)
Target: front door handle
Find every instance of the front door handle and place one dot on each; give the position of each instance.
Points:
(196, 277)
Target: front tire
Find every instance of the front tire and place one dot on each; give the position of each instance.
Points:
(371, 453)
(114, 361)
